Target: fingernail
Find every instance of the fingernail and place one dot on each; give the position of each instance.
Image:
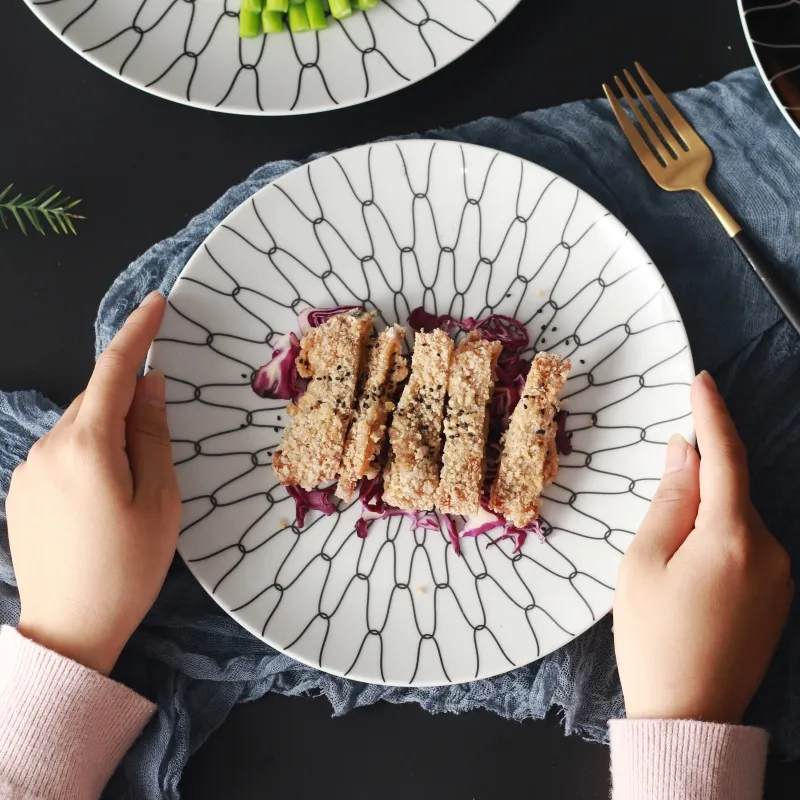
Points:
(677, 451)
(154, 388)
(152, 297)
(706, 378)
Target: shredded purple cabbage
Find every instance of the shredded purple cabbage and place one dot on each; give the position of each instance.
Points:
(370, 493)
(316, 499)
(519, 535)
(482, 522)
(487, 520)
(563, 438)
(374, 508)
(452, 533)
(314, 317)
(510, 332)
(278, 378)
(493, 452)
(511, 375)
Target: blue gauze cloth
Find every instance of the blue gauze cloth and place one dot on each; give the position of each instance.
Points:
(196, 663)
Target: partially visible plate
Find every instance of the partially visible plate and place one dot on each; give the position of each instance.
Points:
(773, 33)
(462, 229)
(189, 50)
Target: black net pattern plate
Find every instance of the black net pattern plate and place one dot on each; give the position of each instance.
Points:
(190, 50)
(773, 33)
(462, 229)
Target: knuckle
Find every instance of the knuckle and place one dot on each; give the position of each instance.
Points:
(154, 431)
(164, 508)
(172, 501)
(82, 440)
(173, 496)
(632, 554)
(37, 448)
(111, 358)
(732, 450)
(669, 494)
(79, 450)
(634, 559)
(739, 549)
(17, 477)
(709, 518)
(782, 562)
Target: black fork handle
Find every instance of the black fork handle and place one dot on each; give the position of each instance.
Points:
(783, 296)
(786, 300)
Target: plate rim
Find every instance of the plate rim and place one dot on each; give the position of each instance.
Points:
(762, 72)
(33, 5)
(666, 294)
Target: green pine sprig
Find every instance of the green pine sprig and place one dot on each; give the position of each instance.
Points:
(47, 207)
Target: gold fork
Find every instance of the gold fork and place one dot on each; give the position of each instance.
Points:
(678, 160)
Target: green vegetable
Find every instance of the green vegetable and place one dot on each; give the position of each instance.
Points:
(316, 15)
(47, 206)
(249, 24)
(272, 16)
(272, 21)
(341, 9)
(298, 19)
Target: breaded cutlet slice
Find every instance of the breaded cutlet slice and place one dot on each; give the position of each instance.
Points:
(469, 389)
(550, 469)
(383, 371)
(524, 465)
(411, 476)
(313, 442)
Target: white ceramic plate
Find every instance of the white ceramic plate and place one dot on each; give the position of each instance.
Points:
(466, 230)
(189, 50)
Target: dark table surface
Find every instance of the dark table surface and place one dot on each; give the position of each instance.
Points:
(145, 165)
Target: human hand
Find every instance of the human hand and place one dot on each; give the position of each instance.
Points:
(94, 513)
(704, 589)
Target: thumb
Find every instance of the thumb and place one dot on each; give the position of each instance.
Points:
(147, 438)
(673, 510)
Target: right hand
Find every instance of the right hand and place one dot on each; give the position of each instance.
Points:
(704, 589)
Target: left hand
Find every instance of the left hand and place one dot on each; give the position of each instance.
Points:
(94, 512)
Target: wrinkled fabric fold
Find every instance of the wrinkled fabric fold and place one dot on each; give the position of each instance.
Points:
(196, 663)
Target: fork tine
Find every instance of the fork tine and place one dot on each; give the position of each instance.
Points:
(666, 133)
(649, 133)
(684, 129)
(632, 134)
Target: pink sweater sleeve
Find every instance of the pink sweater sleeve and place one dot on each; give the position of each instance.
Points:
(63, 727)
(660, 759)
